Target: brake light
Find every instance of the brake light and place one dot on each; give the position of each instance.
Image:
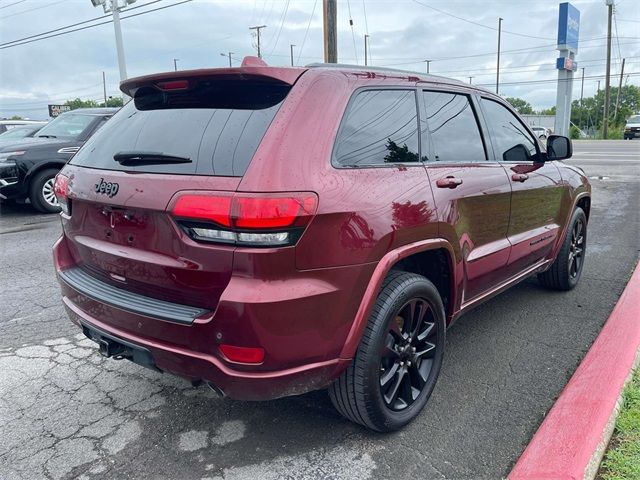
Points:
(173, 85)
(247, 219)
(217, 209)
(243, 354)
(61, 191)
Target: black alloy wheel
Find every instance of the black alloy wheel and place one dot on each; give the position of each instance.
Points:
(398, 361)
(408, 353)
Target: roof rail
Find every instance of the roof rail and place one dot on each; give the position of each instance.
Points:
(381, 69)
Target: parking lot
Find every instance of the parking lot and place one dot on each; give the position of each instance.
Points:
(65, 412)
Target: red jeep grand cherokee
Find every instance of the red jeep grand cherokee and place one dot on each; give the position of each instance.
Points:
(272, 231)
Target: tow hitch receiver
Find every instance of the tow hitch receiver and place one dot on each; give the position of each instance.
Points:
(111, 346)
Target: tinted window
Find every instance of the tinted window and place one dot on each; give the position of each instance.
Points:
(69, 125)
(380, 126)
(453, 128)
(510, 137)
(219, 135)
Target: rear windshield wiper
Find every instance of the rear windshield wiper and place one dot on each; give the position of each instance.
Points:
(46, 136)
(147, 158)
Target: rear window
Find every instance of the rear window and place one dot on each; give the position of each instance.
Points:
(217, 125)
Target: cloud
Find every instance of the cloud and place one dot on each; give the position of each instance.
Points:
(402, 35)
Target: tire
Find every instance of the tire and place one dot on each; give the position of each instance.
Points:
(41, 191)
(386, 360)
(565, 271)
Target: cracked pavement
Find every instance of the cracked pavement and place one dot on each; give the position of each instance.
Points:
(65, 412)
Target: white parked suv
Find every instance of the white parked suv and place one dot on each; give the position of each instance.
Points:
(541, 132)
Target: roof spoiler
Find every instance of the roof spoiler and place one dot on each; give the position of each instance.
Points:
(252, 68)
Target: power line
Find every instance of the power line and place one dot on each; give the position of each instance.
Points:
(479, 24)
(306, 32)
(282, 19)
(553, 80)
(31, 9)
(353, 35)
(366, 25)
(14, 44)
(75, 24)
(12, 4)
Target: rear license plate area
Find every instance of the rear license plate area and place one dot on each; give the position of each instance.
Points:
(110, 346)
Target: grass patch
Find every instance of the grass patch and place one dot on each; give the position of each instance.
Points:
(622, 458)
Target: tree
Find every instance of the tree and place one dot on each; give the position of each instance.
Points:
(16, 117)
(78, 103)
(522, 106)
(589, 113)
(113, 102)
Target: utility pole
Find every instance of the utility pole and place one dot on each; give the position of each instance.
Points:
(257, 29)
(471, 78)
(330, 22)
(428, 62)
(605, 118)
(615, 115)
(228, 55)
(113, 7)
(366, 48)
(119, 46)
(104, 88)
(581, 96)
(498, 64)
(175, 64)
(291, 47)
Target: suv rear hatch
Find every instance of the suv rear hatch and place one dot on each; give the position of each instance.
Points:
(184, 131)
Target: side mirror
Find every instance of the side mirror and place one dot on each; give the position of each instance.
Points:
(558, 147)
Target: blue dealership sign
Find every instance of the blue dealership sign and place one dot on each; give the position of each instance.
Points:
(568, 27)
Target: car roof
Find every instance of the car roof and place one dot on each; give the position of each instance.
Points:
(22, 122)
(94, 111)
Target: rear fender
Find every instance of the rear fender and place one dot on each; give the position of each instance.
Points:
(379, 274)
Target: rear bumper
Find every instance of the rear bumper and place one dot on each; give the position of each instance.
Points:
(302, 330)
(236, 384)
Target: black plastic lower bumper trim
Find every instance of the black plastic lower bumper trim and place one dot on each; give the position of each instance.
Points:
(103, 292)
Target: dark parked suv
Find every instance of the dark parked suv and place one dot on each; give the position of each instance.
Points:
(28, 166)
(272, 231)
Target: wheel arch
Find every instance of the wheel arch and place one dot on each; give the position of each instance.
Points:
(49, 164)
(407, 258)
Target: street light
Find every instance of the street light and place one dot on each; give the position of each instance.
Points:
(428, 62)
(113, 7)
(228, 55)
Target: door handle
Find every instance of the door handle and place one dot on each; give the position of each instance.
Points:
(448, 182)
(519, 177)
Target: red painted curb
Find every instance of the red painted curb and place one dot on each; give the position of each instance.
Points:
(574, 430)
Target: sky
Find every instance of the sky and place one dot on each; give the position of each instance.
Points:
(402, 34)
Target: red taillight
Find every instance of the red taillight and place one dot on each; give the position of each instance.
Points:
(243, 354)
(173, 85)
(61, 191)
(204, 207)
(248, 219)
(276, 212)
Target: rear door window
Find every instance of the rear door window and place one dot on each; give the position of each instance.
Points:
(219, 130)
(453, 128)
(380, 127)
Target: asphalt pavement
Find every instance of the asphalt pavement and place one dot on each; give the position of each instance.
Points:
(67, 413)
